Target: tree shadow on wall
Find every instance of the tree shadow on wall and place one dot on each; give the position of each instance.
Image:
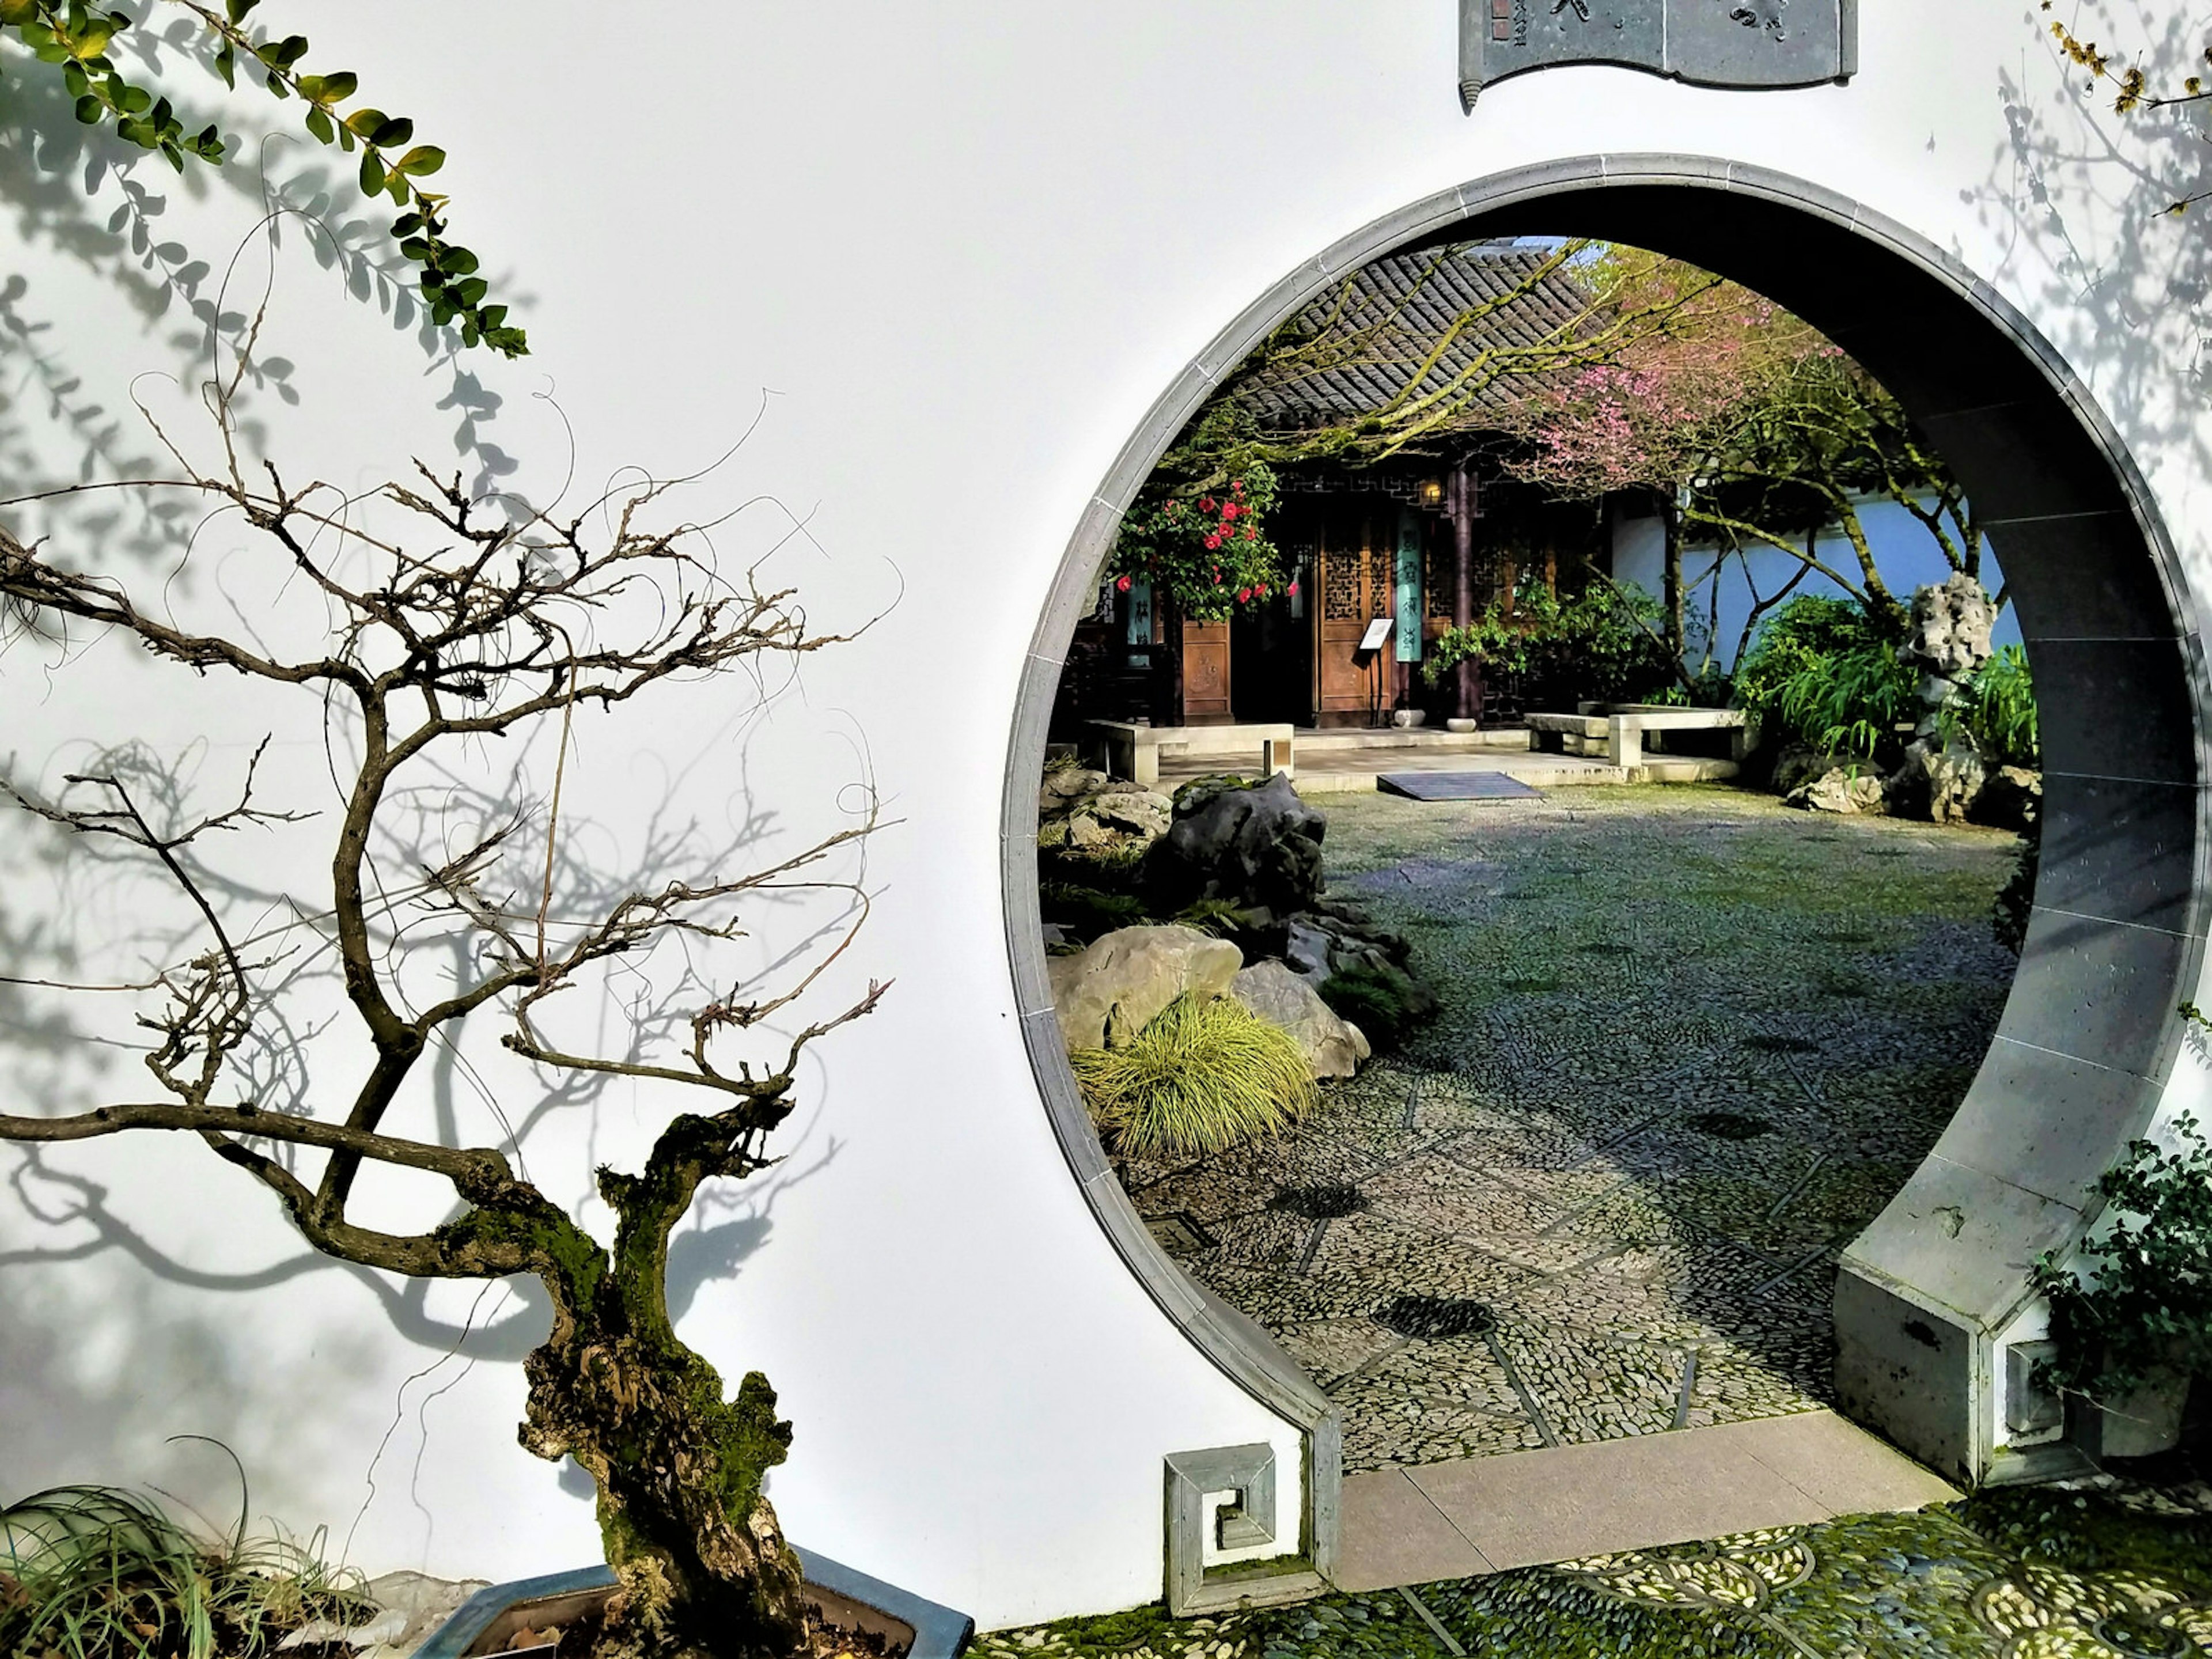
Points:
(2078, 199)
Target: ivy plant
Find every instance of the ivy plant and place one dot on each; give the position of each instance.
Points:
(75, 39)
(2140, 1299)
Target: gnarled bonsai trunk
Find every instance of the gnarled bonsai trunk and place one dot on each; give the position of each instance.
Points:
(704, 1568)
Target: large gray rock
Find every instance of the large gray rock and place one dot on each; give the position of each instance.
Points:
(1088, 813)
(1939, 784)
(1258, 848)
(1103, 996)
(2012, 798)
(1332, 1046)
(1841, 789)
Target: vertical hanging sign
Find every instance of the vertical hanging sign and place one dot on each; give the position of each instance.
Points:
(1409, 585)
(1745, 44)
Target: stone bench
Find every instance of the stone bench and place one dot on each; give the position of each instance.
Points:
(1615, 731)
(1122, 749)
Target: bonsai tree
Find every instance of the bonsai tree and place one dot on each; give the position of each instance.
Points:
(454, 626)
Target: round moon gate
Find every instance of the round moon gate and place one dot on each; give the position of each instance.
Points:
(1925, 1296)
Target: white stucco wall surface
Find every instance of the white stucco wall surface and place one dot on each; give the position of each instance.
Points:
(1905, 553)
(961, 248)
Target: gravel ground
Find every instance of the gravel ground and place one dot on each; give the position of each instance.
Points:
(1690, 1043)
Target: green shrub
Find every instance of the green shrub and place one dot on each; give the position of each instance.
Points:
(1201, 1077)
(1601, 645)
(93, 1572)
(1996, 711)
(1379, 1000)
(1089, 911)
(1823, 673)
(2146, 1301)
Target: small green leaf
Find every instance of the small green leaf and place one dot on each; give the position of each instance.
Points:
(320, 124)
(421, 162)
(407, 224)
(226, 65)
(90, 110)
(94, 40)
(457, 262)
(238, 9)
(390, 135)
(395, 187)
(471, 291)
(131, 101)
(291, 50)
(372, 174)
(328, 89)
(75, 78)
(175, 156)
(16, 13)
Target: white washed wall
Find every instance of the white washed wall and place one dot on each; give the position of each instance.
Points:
(1905, 553)
(966, 245)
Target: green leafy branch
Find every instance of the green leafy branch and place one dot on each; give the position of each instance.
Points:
(75, 37)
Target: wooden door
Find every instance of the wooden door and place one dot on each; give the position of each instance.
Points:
(1355, 578)
(1205, 674)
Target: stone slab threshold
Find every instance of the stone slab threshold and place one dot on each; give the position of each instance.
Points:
(1409, 1526)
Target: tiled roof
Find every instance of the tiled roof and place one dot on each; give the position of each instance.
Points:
(1371, 333)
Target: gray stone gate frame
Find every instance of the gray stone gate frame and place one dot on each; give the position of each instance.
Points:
(2091, 1031)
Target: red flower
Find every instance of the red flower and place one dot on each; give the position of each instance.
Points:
(1236, 484)
(1243, 595)
(1217, 576)
(1214, 541)
(1251, 532)
(1292, 590)
(1122, 587)
(1229, 511)
(1206, 503)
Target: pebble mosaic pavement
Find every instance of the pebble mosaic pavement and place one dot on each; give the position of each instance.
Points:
(2112, 1573)
(1691, 1042)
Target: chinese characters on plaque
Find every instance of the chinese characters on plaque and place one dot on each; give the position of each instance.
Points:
(1752, 44)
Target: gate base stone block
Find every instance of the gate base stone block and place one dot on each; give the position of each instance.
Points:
(1921, 1297)
(1909, 1373)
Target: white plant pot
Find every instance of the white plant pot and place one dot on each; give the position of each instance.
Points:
(1408, 717)
(1462, 726)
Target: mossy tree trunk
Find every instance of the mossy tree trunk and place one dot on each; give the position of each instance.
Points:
(703, 1566)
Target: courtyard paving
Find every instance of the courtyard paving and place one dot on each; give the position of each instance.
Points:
(1690, 1043)
(2108, 1572)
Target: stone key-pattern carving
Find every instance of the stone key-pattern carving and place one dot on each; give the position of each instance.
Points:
(1748, 43)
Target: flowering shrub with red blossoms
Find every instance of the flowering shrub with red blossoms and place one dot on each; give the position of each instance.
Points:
(1208, 549)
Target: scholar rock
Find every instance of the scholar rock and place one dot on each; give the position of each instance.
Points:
(1104, 995)
(1952, 621)
(1332, 1046)
(1252, 847)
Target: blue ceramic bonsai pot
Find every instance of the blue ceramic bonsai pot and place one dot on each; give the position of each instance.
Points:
(488, 1620)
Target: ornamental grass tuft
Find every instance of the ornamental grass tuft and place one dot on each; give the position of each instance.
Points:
(95, 1572)
(1199, 1077)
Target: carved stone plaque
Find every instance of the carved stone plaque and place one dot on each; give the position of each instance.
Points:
(1758, 44)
